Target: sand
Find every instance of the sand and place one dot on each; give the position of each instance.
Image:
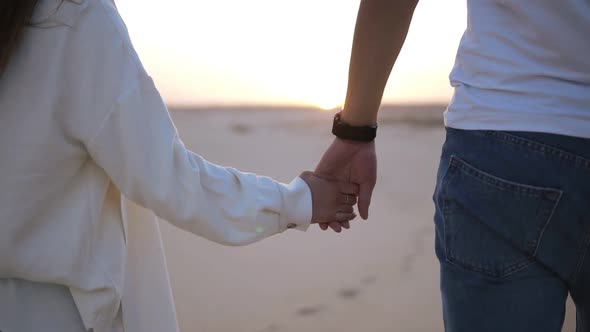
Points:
(381, 275)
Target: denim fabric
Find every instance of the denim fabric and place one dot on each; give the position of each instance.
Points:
(512, 230)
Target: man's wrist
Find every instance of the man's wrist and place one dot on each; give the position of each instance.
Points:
(346, 131)
(356, 120)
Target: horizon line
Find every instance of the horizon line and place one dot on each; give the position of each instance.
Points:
(266, 106)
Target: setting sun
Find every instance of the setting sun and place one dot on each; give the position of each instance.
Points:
(327, 101)
(328, 106)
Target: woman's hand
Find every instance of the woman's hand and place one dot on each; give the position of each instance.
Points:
(332, 201)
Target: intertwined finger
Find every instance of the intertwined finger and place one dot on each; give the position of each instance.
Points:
(349, 199)
(335, 226)
(346, 209)
(349, 188)
(344, 216)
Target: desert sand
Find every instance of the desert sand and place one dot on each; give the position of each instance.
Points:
(381, 275)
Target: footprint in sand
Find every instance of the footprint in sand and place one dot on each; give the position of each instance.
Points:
(349, 293)
(271, 328)
(309, 311)
(369, 280)
(241, 129)
(345, 293)
(417, 251)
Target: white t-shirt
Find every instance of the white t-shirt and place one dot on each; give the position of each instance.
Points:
(524, 65)
(82, 129)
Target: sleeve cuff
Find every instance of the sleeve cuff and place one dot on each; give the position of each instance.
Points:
(297, 205)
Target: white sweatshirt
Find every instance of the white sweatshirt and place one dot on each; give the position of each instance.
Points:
(82, 127)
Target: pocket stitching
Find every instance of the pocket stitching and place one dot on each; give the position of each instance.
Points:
(503, 184)
(549, 218)
(535, 146)
(456, 163)
(508, 269)
(511, 269)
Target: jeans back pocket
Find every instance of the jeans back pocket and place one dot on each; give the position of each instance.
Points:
(492, 226)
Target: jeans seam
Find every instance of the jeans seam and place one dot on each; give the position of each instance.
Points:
(573, 278)
(575, 159)
(540, 238)
(444, 207)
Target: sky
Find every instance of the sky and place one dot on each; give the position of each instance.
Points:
(282, 52)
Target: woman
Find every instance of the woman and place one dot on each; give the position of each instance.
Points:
(82, 126)
(513, 190)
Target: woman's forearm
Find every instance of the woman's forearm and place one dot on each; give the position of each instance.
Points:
(381, 29)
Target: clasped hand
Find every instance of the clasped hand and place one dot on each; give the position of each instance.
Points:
(346, 175)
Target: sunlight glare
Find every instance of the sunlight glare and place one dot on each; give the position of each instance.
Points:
(327, 102)
(282, 52)
(328, 105)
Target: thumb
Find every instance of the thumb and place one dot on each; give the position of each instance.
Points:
(364, 199)
(306, 175)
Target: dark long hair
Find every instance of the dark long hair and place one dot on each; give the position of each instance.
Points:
(14, 15)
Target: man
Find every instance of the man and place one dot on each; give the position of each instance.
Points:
(513, 190)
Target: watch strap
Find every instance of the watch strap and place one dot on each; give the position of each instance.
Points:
(354, 133)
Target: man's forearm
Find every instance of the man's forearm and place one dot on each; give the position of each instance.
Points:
(381, 29)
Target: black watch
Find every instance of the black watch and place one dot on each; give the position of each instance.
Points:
(360, 134)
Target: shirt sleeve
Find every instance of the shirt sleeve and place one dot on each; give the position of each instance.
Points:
(139, 148)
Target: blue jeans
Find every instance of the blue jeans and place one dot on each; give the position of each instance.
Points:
(512, 230)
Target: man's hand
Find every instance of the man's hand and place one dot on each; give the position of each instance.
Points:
(354, 162)
(380, 32)
(332, 201)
